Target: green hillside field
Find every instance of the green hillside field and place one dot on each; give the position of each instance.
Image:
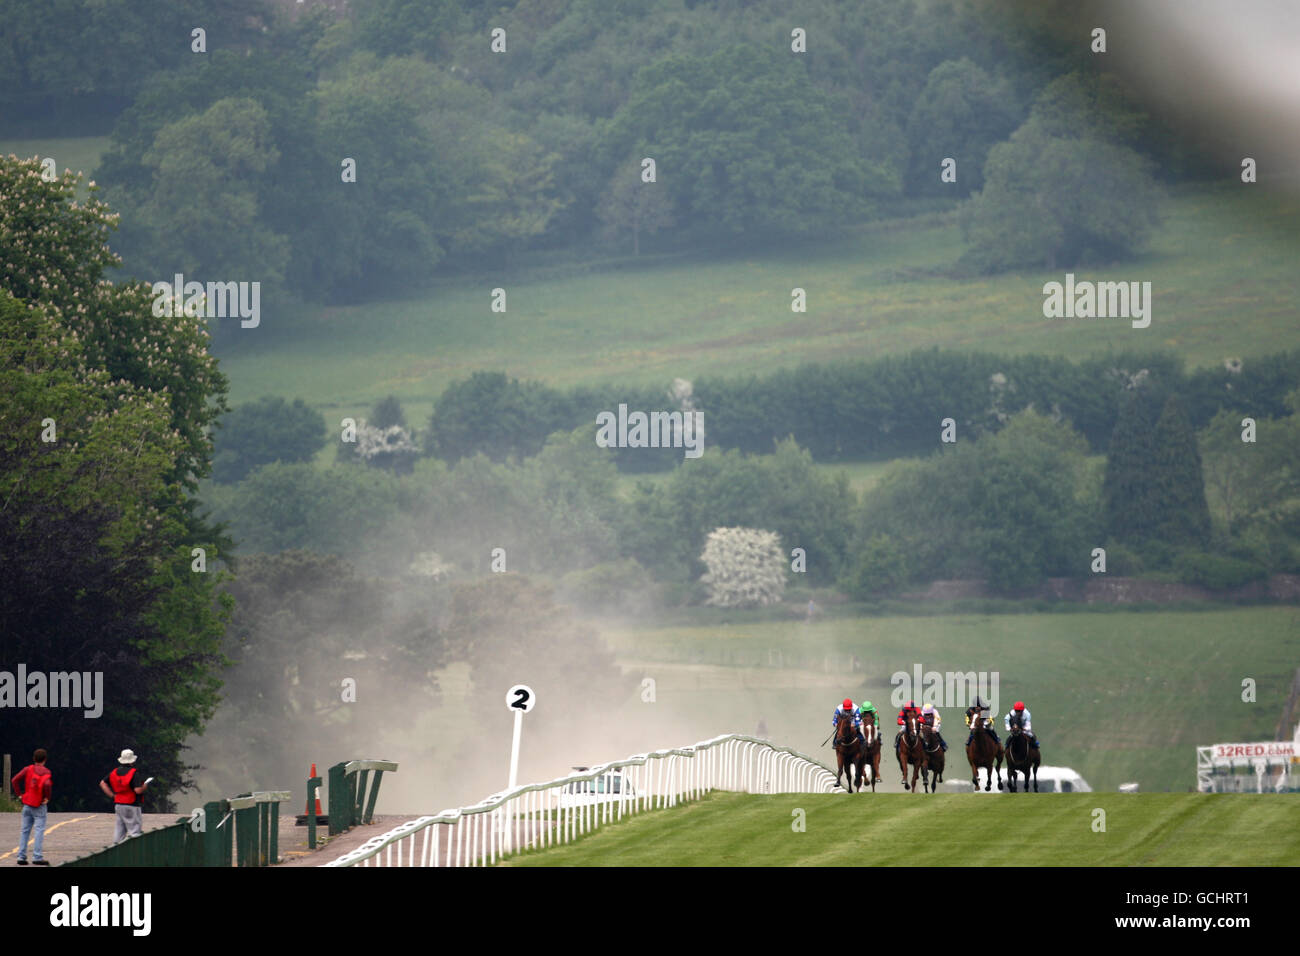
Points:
(1155, 829)
(1221, 268)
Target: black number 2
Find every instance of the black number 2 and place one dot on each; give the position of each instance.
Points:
(521, 698)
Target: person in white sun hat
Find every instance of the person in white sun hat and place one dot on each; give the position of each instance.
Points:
(125, 784)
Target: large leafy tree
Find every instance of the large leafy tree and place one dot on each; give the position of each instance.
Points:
(961, 113)
(102, 515)
(1065, 189)
(1010, 508)
(87, 56)
(495, 414)
(746, 143)
(267, 430)
(202, 213)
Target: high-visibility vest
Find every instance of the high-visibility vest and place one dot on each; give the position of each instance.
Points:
(121, 784)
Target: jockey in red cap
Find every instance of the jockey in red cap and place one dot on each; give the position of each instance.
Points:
(848, 708)
(1018, 716)
(911, 710)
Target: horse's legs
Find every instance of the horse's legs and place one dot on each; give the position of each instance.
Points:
(902, 766)
(1035, 779)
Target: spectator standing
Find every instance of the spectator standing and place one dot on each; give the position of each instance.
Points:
(33, 785)
(125, 784)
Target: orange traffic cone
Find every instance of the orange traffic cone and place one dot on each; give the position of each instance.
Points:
(307, 808)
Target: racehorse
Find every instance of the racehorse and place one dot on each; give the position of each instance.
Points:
(1021, 757)
(872, 757)
(932, 771)
(982, 751)
(910, 751)
(848, 751)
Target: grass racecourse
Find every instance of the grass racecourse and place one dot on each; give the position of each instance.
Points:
(1120, 696)
(1155, 829)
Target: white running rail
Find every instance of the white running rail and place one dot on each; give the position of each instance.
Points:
(539, 815)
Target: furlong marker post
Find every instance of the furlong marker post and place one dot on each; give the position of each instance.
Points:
(521, 700)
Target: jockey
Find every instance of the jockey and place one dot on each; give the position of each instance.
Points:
(868, 707)
(911, 710)
(848, 708)
(981, 709)
(930, 718)
(1018, 716)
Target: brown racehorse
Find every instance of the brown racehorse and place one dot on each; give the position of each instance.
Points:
(982, 751)
(932, 772)
(1021, 757)
(872, 733)
(848, 751)
(910, 752)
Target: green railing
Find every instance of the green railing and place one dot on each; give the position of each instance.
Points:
(241, 831)
(349, 802)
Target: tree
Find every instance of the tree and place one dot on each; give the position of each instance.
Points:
(1184, 517)
(961, 113)
(1253, 484)
(630, 205)
(57, 256)
(269, 429)
(746, 145)
(94, 575)
(383, 440)
(1226, 463)
(87, 58)
(281, 507)
(1130, 502)
(203, 211)
(392, 447)
(881, 568)
(1060, 192)
(494, 414)
(137, 394)
(1009, 508)
(746, 567)
(387, 412)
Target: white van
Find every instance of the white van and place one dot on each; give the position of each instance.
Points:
(1050, 780)
(608, 786)
(1059, 780)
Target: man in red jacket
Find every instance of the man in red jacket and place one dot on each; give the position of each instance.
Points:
(125, 784)
(33, 785)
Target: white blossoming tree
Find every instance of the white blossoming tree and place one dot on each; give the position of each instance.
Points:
(392, 447)
(746, 567)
